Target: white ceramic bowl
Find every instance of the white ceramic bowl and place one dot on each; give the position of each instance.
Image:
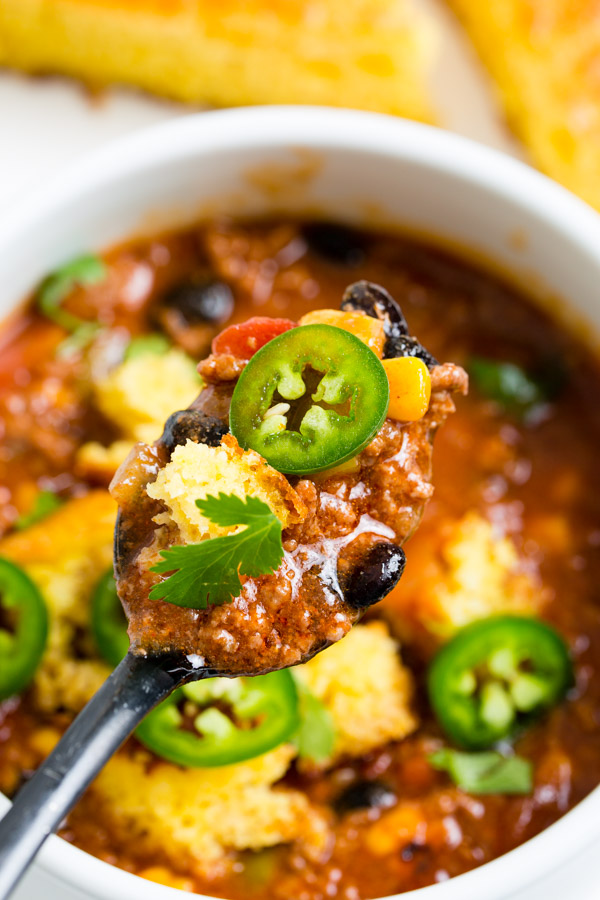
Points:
(360, 168)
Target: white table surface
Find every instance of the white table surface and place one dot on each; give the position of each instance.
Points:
(46, 124)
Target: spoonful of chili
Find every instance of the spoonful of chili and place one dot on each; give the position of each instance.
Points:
(256, 531)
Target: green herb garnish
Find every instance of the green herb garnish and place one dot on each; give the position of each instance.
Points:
(315, 738)
(209, 572)
(147, 343)
(485, 773)
(515, 390)
(45, 503)
(85, 270)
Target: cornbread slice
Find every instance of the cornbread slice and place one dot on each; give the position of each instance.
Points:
(199, 813)
(458, 574)
(544, 58)
(140, 394)
(365, 687)
(65, 555)
(196, 471)
(370, 54)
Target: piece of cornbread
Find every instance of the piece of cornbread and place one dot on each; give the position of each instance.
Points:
(200, 813)
(457, 574)
(368, 54)
(543, 56)
(196, 471)
(140, 394)
(365, 687)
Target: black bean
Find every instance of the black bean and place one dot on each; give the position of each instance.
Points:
(336, 243)
(404, 345)
(195, 425)
(378, 572)
(365, 795)
(202, 301)
(408, 852)
(375, 301)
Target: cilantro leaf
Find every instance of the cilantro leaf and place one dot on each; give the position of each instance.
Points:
(57, 286)
(84, 270)
(315, 737)
(209, 572)
(485, 773)
(46, 502)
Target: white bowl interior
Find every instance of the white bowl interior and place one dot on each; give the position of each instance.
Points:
(356, 167)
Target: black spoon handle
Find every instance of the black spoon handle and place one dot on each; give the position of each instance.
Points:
(133, 689)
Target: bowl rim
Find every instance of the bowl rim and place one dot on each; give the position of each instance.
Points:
(326, 129)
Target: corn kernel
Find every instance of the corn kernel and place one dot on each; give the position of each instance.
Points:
(410, 388)
(368, 329)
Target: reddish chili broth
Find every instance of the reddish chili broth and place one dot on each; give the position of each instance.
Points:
(539, 482)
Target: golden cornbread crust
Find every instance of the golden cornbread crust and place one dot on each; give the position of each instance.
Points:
(544, 58)
(368, 54)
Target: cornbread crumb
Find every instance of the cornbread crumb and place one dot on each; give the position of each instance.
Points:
(140, 394)
(196, 471)
(464, 572)
(202, 812)
(65, 555)
(365, 687)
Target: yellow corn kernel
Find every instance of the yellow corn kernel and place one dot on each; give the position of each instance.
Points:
(362, 326)
(410, 388)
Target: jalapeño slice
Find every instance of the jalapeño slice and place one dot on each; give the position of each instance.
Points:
(495, 677)
(222, 721)
(23, 628)
(310, 399)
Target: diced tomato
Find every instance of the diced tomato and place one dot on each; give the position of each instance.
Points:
(245, 339)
